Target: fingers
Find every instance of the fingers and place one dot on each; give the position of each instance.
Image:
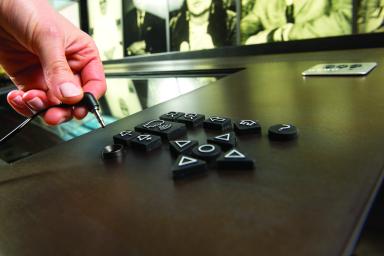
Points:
(59, 77)
(15, 99)
(55, 116)
(93, 78)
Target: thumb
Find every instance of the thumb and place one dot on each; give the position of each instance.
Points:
(57, 73)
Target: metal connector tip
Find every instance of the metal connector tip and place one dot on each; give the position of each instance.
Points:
(99, 118)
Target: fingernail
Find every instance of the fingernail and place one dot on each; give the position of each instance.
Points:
(69, 90)
(62, 120)
(18, 101)
(36, 103)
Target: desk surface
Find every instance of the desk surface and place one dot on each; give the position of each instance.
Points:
(305, 197)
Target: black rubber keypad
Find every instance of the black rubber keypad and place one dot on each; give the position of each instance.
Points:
(165, 129)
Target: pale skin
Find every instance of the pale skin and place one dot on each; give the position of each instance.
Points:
(48, 59)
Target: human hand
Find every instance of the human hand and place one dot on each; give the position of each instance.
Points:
(48, 59)
(137, 48)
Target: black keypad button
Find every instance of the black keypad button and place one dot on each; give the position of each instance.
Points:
(146, 142)
(342, 66)
(235, 160)
(171, 116)
(191, 119)
(178, 147)
(355, 66)
(247, 127)
(225, 141)
(217, 123)
(282, 132)
(206, 152)
(187, 166)
(125, 137)
(165, 129)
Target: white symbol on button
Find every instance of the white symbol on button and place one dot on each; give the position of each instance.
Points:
(190, 116)
(164, 127)
(234, 154)
(154, 123)
(186, 161)
(182, 143)
(248, 122)
(144, 137)
(171, 114)
(217, 119)
(285, 126)
(224, 137)
(125, 133)
(207, 148)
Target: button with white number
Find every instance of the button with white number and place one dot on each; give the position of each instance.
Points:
(282, 132)
(146, 142)
(187, 166)
(171, 116)
(191, 119)
(235, 160)
(225, 141)
(217, 123)
(125, 137)
(206, 152)
(247, 127)
(178, 147)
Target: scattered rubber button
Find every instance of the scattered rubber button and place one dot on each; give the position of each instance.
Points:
(146, 142)
(178, 147)
(225, 141)
(187, 166)
(235, 160)
(165, 129)
(191, 119)
(206, 152)
(125, 137)
(282, 132)
(247, 127)
(171, 116)
(217, 123)
(112, 151)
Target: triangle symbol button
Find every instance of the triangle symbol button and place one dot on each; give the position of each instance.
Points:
(185, 160)
(234, 154)
(224, 137)
(182, 143)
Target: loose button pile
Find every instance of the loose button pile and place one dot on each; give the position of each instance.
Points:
(193, 158)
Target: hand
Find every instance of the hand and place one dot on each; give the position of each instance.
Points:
(259, 38)
(137, 48)
(48, 59)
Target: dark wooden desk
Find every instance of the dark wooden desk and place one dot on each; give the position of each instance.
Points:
(305, 197)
